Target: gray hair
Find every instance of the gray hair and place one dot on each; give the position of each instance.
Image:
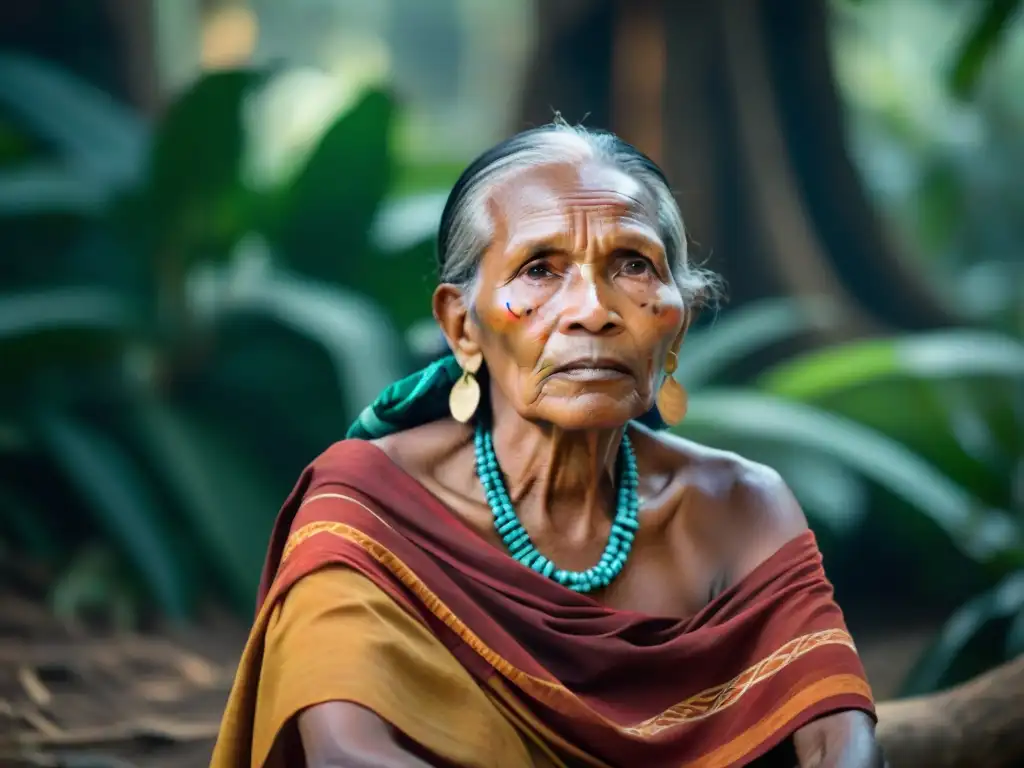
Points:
(466, 228)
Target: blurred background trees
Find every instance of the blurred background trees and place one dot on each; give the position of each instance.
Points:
(217, 223)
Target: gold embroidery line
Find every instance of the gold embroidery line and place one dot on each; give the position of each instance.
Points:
(732, 751)
(708, 702)
(696, 707)
(742, 745)
(310, 529)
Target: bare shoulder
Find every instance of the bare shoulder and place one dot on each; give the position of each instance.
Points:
(430, 450)
(729, 498)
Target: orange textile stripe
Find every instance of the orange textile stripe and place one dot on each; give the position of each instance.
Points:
(741, 746)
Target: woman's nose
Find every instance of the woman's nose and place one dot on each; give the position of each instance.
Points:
(586, 307)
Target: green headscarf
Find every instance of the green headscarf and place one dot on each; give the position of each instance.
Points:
(421, 398)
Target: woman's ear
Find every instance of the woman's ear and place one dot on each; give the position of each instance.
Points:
(687, 317)
(453, 315)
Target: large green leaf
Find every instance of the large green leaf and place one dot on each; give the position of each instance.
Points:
(406, 221)
(401, 283)
(49, 188)
(16, 146)
(222, 495)
(400, 272)
(740, 333)
(196, 195)
(946, 395)
(207, 452)
(88, 130)
(941, 355)
(60, 326)
(362, 345)
(329, 210)
(994, 18)
(414, 177)
(125, 506)
(61, 309)
(1015, 637)
(736, 418)
(261, 366)
(971, 641)
(29, 528)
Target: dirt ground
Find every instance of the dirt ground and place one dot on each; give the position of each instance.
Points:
(70, 698)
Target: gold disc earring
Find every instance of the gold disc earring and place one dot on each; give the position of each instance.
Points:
(464, 397)
(672, 398)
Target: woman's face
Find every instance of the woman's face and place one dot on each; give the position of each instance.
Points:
(574, 307)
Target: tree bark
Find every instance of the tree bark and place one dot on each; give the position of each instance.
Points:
(108, 44)
(751, 133)
(571, 69)
(881, 271)
(977, 724)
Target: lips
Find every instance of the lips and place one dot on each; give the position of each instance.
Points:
(598, 365)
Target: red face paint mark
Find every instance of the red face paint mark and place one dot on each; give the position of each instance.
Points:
(671, 314)
(508, 306)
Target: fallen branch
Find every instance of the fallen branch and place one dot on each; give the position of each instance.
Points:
(152, 729)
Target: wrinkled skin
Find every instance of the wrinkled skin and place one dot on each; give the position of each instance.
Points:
(574, 310)
(578, 258)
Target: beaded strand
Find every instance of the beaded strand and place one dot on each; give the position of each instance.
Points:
(517, 540)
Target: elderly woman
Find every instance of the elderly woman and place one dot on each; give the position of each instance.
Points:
(506, 564)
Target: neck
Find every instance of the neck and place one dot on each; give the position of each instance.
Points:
(562, 482)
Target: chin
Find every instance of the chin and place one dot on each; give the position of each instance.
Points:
(584, 412)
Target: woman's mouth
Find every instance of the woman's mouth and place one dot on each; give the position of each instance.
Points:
(598, 369)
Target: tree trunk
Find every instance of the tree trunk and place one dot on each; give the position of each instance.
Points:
(979, 724)
(108, 44)
(737, 101)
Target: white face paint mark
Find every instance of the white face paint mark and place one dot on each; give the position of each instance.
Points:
(588, 271)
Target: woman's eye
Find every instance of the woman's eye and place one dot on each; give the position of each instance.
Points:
(636, 267)
(538, 271)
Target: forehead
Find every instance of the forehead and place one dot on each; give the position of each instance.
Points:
(559, 190)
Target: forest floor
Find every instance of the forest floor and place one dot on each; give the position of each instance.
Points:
(74, 698)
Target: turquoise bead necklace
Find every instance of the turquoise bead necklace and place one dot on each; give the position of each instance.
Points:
(515, 537)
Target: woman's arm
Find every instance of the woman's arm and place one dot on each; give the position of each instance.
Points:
(842, 740)
(339, 734)
(771, 516)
